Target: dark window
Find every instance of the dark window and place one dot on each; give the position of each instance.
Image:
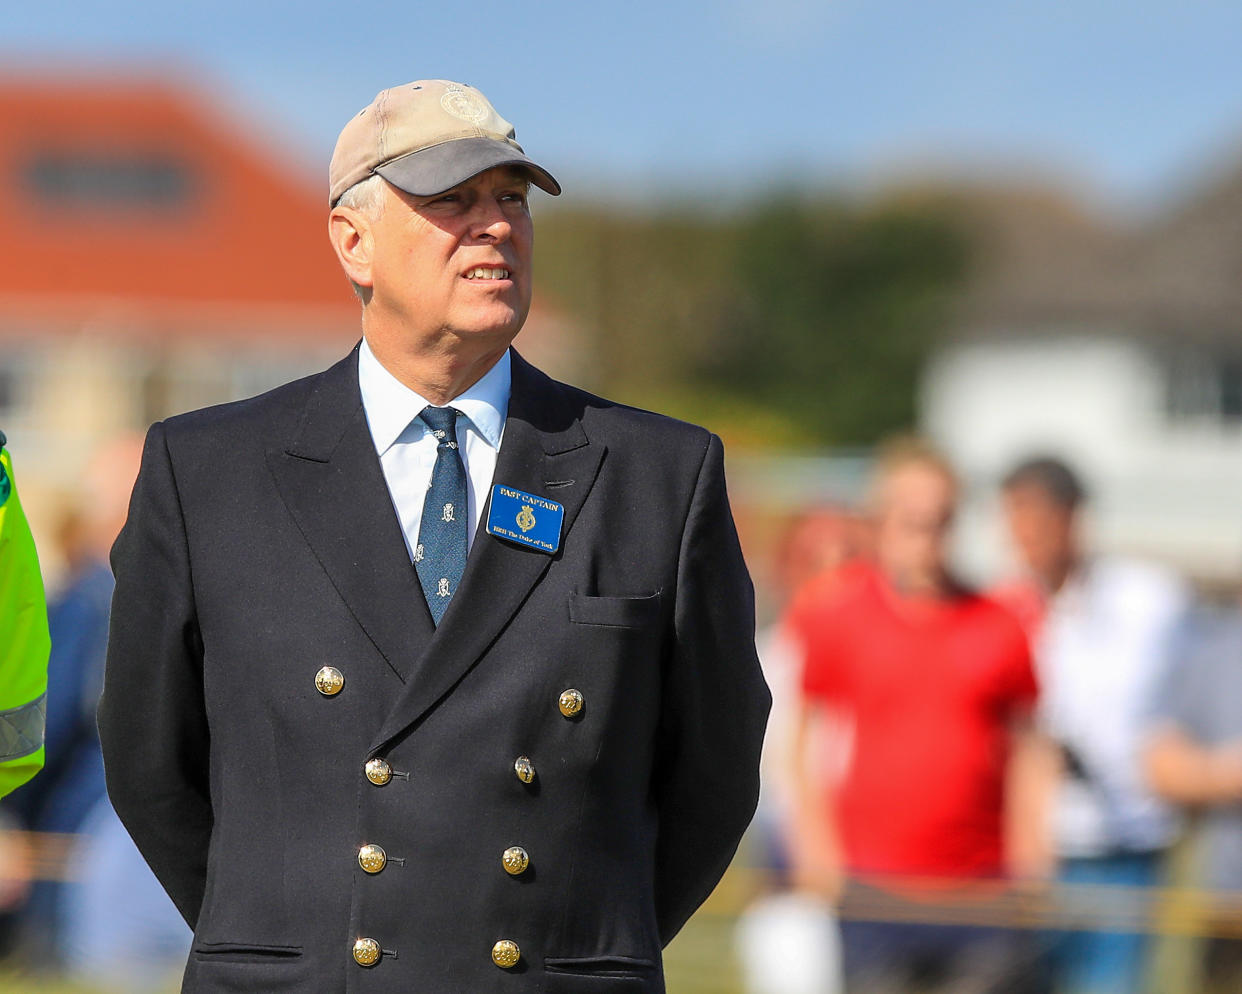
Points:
(1230, 377)
(1205, 386)
(108, 179)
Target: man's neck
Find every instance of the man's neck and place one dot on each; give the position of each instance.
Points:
(1056, 577)
(920, 588)
(439, 375)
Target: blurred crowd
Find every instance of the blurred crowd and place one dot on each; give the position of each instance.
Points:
(980, 790)
(964, 790)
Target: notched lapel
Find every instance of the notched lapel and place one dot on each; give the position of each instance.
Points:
(544, 443)
(330, 479)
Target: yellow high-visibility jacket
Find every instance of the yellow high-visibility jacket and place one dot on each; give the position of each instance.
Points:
(24, 641)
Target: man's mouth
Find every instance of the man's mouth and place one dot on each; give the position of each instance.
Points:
(487, 273)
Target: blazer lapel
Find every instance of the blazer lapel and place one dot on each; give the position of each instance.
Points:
(331, 481)
(543, 444)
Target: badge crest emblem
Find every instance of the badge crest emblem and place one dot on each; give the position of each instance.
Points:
(525, 519)
(463, 104)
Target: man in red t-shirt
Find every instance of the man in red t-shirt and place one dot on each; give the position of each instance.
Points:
(942, 783)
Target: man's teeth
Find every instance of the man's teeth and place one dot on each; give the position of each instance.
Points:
(482, 273)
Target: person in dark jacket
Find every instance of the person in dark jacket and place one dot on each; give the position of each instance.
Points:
(428, 673)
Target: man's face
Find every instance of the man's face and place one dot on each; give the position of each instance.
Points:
(1043, 529)
(913, 518)
(458, 264)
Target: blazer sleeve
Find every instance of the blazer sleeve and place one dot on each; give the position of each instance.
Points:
(152, 721)
(714, 710)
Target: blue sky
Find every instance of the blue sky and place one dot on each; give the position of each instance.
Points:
(1120, 100)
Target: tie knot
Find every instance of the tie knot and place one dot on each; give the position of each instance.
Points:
(442, 421)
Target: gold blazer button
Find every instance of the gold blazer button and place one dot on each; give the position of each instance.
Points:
(571, 702)
(378, 772)
(372, 858)
(515, 860)
(366, 952)
(329, 681)
(505, 954)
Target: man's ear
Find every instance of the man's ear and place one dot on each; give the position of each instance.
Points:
(353, 240)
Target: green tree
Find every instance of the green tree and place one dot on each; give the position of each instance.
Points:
(837, 310)
(794, 320)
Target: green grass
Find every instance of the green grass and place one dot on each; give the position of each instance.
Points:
(700, 960)
(14, 984)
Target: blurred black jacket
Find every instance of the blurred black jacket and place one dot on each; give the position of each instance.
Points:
(262, 545)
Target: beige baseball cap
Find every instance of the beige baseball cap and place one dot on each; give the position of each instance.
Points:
(426, 137)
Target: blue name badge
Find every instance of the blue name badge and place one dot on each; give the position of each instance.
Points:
(523, 518)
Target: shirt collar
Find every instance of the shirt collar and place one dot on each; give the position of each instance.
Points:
(390, 405)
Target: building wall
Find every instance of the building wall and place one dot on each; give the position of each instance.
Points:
(68, 396)
(1164, 480)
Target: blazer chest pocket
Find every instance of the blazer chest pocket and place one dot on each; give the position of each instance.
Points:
(615, 612)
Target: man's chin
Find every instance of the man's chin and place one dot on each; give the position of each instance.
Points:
(493, 328)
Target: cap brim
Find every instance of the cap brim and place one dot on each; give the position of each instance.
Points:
(433, 170)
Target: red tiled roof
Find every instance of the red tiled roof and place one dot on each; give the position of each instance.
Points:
(133, 200)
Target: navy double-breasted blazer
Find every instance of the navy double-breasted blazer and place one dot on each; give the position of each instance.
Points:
(262, 546)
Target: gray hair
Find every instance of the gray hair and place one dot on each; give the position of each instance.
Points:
(367, 198)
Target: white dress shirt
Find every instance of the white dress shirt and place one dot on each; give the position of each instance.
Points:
(1102, 655)
(407, 450)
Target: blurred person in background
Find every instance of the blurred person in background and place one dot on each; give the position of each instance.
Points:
(24, 647)
(1193, 758)
(69, 797)
(1101, 629)
(24, 642)
(942, 793)
(818, 544)
(787, 941)
(119, 932)
(72, 781)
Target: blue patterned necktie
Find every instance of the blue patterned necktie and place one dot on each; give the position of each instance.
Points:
(440, 557)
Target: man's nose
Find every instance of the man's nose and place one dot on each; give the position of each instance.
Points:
(490, 220)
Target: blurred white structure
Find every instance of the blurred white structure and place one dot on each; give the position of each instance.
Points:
(1165, 480)
(789, 944)
(1119, 350)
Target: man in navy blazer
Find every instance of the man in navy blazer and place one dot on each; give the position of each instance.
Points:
(429, 673)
